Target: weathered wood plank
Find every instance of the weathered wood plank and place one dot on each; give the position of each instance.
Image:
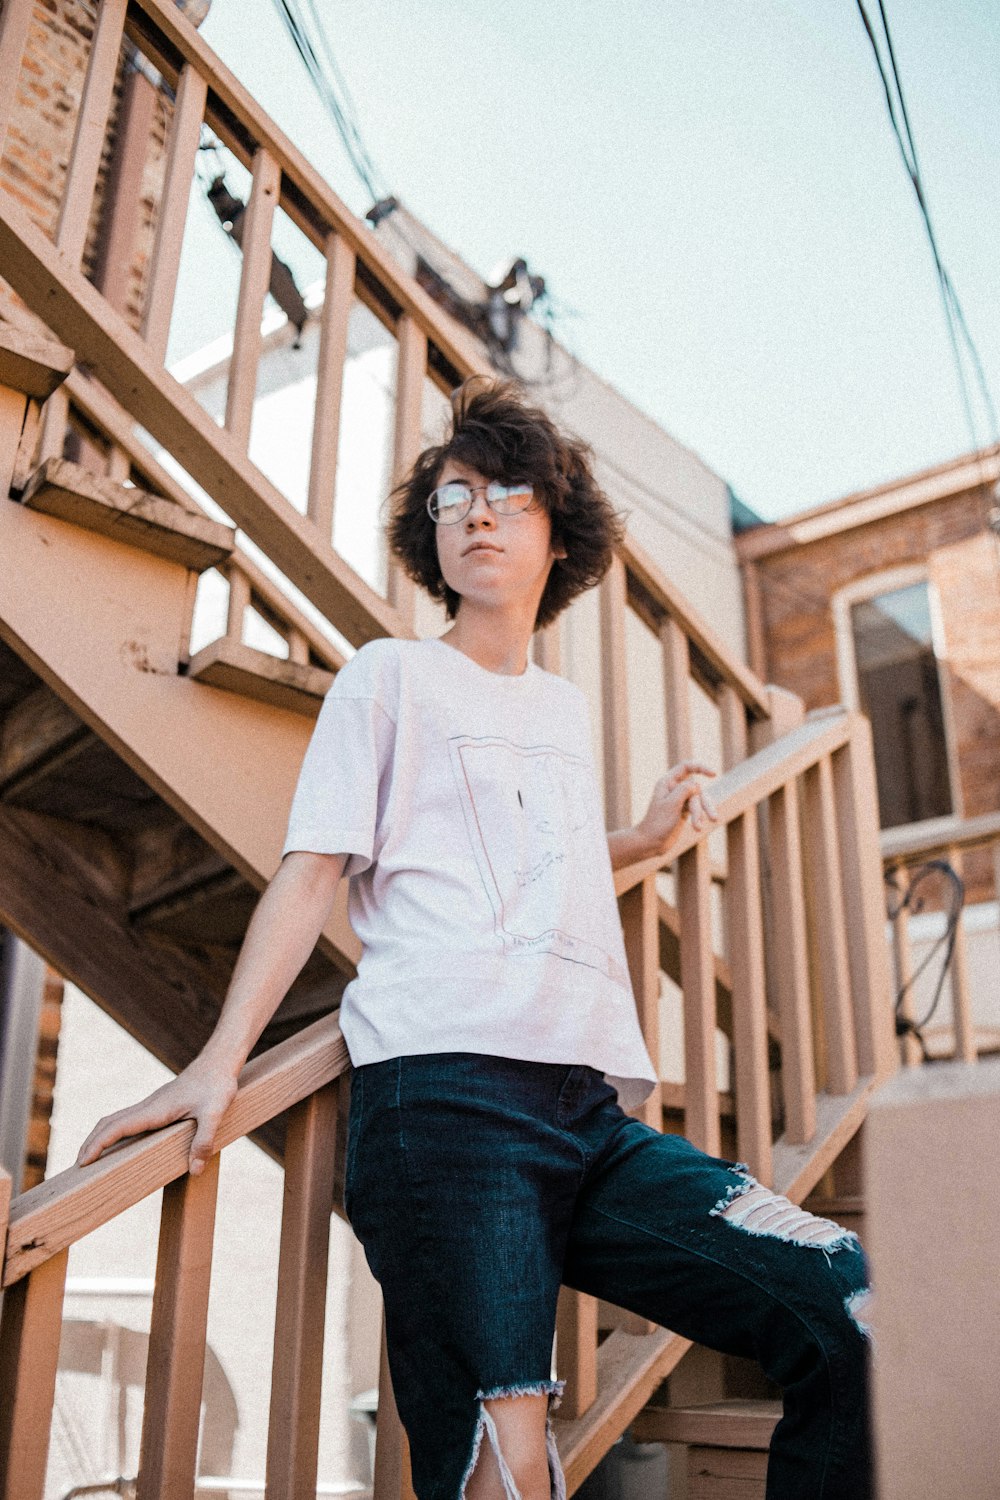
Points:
(29, 1355)
(74, 494)
(341, 264)
(831, 932)
(185, 129)
(576, 1350)
(790, 965)
(91, 127)
(701, 1094)
(745, 931)
(297, 1366)
(640, 917)
(256, 274)
(29, 362)
(226, 663)
(614, 698)
(175, 1364)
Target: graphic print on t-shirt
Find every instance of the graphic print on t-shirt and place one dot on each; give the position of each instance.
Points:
(533, 828)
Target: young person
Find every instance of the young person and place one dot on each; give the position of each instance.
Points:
(492, 1028)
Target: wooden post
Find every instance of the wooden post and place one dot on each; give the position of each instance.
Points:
(239, 601)
(411, 367)
(639, 909)
(254, 279)
(614, 697)
(676, 690)
(15, 18)
(862, 882)
(701, 1094)
(831, 933)
(297, 1368)
(576, 1351)
(341, 264)
(789, 952)
(29, 1357)
(910, 1052)
(91, 127)
(961, 999)
(176, 1362)
(392, 1479)
(185, 130)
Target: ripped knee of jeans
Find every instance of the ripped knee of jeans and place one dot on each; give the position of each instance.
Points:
(755, 1209)
(486, 1424)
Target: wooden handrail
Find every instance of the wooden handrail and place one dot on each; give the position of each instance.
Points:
(937, 835)
(744, 786)
(69, 1205)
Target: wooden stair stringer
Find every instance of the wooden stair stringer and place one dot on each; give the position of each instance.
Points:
(226, 764)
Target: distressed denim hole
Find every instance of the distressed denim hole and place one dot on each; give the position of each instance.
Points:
(858, 1306)
(756, 1209)
(486, 1424)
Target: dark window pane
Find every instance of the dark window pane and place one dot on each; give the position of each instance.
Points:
(901, 694)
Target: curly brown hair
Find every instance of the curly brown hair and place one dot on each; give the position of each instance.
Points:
(495, 431)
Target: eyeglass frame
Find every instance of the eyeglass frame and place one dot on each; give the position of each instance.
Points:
(483, 489)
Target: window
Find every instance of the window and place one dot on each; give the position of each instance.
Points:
(899, 688)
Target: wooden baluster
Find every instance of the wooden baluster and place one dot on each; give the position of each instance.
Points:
(256, 275)
(15, 19)
(298, 647)
(701, 1095)
(576, 1351)
(185, 130)
(239, 601)
(176, 1362)
(337, 300)
(411, 367)
(791, 965)
(903, 955)
(392, 1478)
(614, 698)
(745, 934)
(91, 128)
(297, 1368)
(830, 929)
(29, 1356)
(677, 699)
(961, 998)
(639, 909)
(862, 883)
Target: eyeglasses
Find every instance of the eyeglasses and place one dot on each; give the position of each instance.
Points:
(452, 502)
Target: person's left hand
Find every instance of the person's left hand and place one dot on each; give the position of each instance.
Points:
(677, 795)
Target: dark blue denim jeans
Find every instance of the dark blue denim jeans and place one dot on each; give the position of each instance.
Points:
(478, 1184)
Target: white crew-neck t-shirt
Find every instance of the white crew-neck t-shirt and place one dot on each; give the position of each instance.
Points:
(480, 879)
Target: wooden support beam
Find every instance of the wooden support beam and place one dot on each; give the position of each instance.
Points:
(338, 297)
(863, 885)
(297, 1368)
(576, 1351)
(185, 130)
(614, 698)
(841, 1061)
(701, 1094)
(91, 128)
(176, 1362)
(639, 909)
(29, 1355)
(255, 276)
(791, 964)
(15, 19)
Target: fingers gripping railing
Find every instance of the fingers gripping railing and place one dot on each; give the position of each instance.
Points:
(300, 1075)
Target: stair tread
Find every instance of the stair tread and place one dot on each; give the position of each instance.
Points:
(72, 493)
(739, 1422)
(238, 668)
(31, 363)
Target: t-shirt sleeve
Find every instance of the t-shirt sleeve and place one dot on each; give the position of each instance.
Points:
(342, 783)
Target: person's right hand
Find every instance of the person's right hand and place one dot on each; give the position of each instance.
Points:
(201, 1093)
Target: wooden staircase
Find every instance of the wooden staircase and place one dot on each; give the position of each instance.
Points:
(144, 794)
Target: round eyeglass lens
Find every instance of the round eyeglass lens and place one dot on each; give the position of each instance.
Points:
(452, 502)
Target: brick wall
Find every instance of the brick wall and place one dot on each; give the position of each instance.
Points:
(40, 139)
(949, 535)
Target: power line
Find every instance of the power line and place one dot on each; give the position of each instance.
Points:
(954, 316)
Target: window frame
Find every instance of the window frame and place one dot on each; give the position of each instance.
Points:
(887, 581)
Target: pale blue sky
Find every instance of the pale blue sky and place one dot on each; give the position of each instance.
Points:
(712, 187)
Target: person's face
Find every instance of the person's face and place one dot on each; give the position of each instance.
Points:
(495, 560)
